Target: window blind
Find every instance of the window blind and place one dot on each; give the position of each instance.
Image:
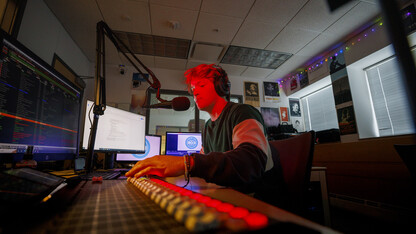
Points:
(388, 95)
(319, 109)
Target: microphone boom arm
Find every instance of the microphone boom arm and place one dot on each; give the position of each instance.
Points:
(102, 30)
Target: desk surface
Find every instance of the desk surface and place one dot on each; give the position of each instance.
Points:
(115, 206)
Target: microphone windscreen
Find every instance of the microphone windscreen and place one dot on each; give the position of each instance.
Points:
(180, 103)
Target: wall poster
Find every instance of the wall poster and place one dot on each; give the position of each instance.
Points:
(294, 107)
(137, 80)
(284, 116)
(251, 93)
(271, 91)
(270, 116)
(342, 94)
(346, 120)
(298, 124)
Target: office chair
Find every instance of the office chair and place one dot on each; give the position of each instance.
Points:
(296, 154)
(408, 154)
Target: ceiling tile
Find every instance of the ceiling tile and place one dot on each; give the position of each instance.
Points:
(295, 62)
(370, 1)
(116, 58)
(216, 28)
(291, 40)
(124, 15)
(194, 63)
(354, 19)
(170, 63)
(318, 45)
(256, 73)
(275, 11)
(233, 8)
(256, 34)
(233, 70)
(154, 45)
(207, 52)
(162, 15)
(307, 17)
(185, 4)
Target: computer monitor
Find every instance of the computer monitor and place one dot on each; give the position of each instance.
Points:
(39, 108)
(118, 131)
(152, 146)
(181, 143)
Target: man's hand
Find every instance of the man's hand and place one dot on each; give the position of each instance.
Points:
(160, 165)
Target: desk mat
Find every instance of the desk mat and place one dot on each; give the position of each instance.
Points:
(112, 206)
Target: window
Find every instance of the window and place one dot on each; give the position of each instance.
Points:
(319, 110)
(61, 67)
(11, 14)
(388, 96)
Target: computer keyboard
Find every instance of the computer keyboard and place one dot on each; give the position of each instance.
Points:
(105, 175)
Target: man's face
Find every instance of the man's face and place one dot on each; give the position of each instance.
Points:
(204, 93)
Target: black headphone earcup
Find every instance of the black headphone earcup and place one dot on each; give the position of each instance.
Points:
(222, 87)
(222, 84)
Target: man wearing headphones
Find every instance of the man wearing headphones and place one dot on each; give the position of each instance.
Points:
(235, 150)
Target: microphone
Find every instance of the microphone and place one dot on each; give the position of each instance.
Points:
(177, 104)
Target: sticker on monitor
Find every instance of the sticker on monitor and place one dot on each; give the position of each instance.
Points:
(189, 143)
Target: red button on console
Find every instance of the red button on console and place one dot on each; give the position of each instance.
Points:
(256, 220)
(239, 212)
(225, 207)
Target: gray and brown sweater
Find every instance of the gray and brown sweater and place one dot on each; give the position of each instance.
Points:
(236, 153)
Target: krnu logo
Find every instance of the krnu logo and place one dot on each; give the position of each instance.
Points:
(191, 142)
(147, 150)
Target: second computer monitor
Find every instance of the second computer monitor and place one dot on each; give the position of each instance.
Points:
(152, 148)
(181, 143)
(118, 131)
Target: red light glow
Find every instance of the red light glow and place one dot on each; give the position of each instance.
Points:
(256, 220)
(225, 207)
(239, 212)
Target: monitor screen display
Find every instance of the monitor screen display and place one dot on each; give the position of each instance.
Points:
(118, 131)
(152, 146)
(181, 143)
(39, 108)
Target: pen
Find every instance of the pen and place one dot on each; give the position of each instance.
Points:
(54, 191)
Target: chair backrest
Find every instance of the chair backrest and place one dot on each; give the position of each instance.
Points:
(296, 154)
(408, 154)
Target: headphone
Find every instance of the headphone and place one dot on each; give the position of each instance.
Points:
(221, 83)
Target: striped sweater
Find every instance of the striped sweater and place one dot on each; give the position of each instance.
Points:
(236, 153)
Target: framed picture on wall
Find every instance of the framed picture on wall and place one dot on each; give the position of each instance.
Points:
(270, 116)
(251, 93)
(294, 107)
(346, 120)
(298, 124)
(137, 80)
(271, 91)
(284, 115)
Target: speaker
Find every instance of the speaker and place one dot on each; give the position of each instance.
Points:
(221, 83)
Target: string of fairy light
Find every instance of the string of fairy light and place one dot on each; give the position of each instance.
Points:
(345, 48)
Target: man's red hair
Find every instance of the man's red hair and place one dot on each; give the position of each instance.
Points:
(202, 71)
